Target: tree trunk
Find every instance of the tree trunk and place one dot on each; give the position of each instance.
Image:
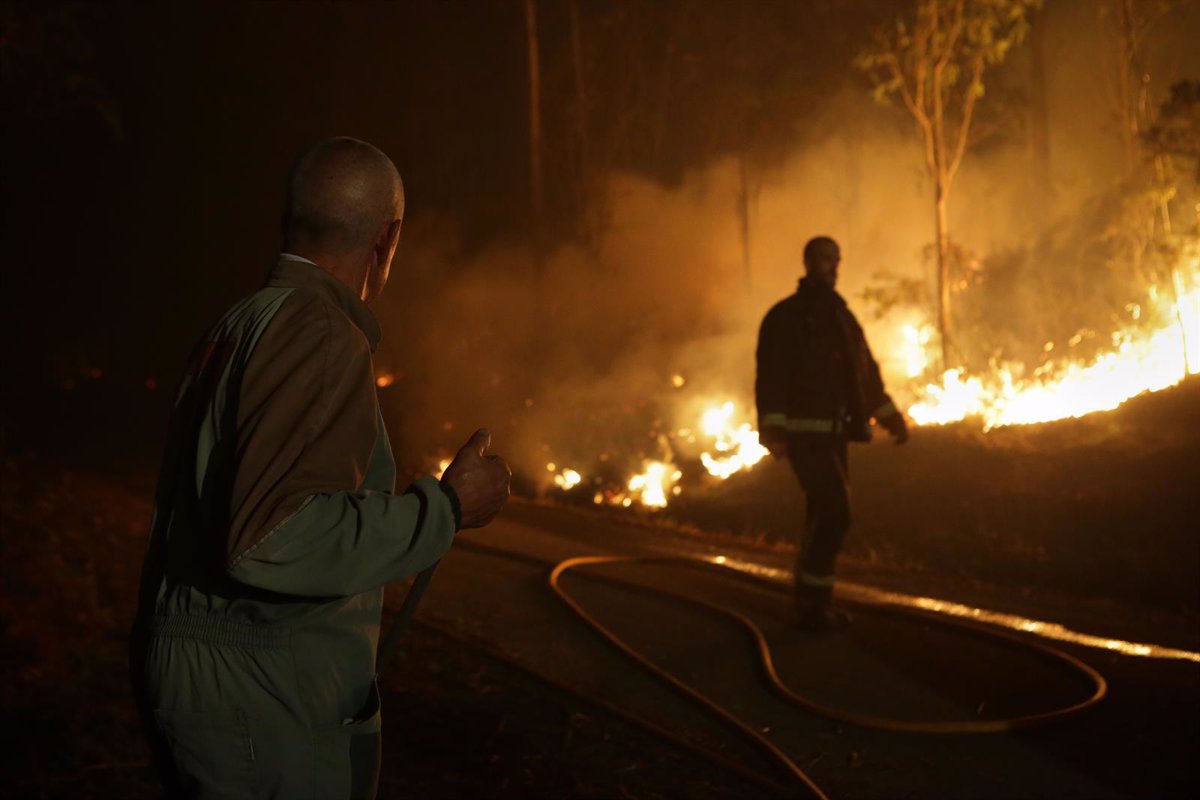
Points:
(943, 272)
(1164, 212)
(536, 189)
(1039, 122)
(584, 178)
(743, 207)
(1126, 100)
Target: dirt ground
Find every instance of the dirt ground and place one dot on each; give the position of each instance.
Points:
(1098, 507)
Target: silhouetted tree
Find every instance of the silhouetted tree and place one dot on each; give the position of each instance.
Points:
(536, 178)
(933, 58)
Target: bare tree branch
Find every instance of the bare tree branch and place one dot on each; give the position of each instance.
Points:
(964, 127)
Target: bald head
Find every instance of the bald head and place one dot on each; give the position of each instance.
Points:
(341, 195)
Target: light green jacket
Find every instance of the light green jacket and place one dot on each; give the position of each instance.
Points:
(275, 529)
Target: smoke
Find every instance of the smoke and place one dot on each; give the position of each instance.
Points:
(566, 360)
(573, 361)
(577, 362)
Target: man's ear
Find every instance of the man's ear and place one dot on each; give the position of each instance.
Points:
(388, 241)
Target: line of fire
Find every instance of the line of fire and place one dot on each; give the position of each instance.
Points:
(568, 398)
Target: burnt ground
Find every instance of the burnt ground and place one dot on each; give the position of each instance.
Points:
(462, 723)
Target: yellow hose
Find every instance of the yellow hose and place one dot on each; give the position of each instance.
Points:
(788, 764)
(764, 650)
(863, 720)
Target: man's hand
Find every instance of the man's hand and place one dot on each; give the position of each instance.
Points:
(777, 445)
(896, 426)
(481, 482)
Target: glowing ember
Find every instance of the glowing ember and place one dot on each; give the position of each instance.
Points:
(737, 446)
(567, 479)
(678, 381)
(1140, 361)
(385, 380)
(650, 486)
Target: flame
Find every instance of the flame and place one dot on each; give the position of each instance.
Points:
(737, 446)
(916, 339)
(1140, 361)
(442, 464)
(650, 486)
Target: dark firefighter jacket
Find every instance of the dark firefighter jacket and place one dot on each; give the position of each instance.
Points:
(816, 374)
(275, 530)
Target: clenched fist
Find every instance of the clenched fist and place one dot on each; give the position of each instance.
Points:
(481, 482)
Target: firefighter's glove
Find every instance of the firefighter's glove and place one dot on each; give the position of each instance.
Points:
(481, 482)
(895, 425)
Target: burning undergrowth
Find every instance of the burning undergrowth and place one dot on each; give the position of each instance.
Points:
(599, 363)
(632, 385)
(622, 373)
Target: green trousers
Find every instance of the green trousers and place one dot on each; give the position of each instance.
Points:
(226, 718)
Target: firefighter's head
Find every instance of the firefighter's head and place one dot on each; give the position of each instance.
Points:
(821, 259)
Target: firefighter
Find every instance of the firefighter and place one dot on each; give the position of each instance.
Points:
(818, 388)
(276, 526)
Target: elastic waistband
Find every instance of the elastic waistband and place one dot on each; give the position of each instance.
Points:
(220, 631)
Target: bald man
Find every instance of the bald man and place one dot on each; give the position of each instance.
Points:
(276, 525)
(818, 388)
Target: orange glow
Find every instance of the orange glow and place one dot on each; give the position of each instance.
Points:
(1139, 361)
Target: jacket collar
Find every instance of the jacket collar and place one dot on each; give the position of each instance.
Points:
(307, 275)
(812, 289)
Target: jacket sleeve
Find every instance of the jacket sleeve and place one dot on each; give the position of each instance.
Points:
(770, 384)
(302, 522)
(342, 543)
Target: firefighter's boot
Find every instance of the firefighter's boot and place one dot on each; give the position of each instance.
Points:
(815, 611)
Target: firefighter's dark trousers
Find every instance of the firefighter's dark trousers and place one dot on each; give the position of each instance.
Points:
(821, 466)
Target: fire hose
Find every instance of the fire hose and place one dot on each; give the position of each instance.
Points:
(757, 739)
(764, 650)
(390, 645)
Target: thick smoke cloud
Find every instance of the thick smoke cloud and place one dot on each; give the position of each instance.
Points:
(578, 358)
